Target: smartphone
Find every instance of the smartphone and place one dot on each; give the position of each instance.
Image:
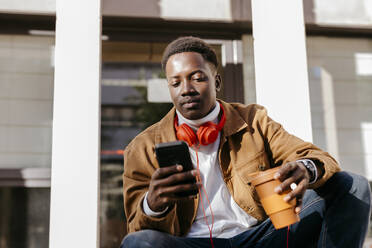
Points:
(173, 153)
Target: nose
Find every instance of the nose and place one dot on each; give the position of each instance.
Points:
(187, 88)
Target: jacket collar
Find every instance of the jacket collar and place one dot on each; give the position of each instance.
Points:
(165, 131)
(234, 122)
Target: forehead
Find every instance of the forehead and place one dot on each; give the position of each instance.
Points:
(186, 62)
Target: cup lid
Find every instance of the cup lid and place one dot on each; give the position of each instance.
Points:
(260, 177)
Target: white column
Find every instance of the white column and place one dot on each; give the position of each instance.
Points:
(76, 125)
(248, 70)
(280, 63)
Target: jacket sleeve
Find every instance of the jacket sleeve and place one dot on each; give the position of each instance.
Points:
(139, 164)
(285, 147)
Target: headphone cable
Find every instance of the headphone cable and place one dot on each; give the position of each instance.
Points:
(198, 179)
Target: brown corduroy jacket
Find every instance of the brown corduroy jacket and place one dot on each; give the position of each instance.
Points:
(250, 141)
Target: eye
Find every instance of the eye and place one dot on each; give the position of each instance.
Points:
(199, 77)
(175, 83)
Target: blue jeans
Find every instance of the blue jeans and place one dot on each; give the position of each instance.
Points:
(335, 215)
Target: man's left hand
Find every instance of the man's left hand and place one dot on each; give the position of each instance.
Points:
(293, 172)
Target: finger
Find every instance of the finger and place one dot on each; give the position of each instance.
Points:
(298, 192)
(174, 197)
(178, 178)
(296, 176)
(173, 190)
(167, 201)
(298, 205)
(303, 168)
(285, 170)
(299, 200)
(166, 171)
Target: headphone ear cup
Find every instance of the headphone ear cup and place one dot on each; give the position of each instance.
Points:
(185, 133)
(207, 133)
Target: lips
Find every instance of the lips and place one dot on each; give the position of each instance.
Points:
(190, 103)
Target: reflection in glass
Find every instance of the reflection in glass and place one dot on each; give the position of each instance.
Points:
(125, 112)
(24, 219)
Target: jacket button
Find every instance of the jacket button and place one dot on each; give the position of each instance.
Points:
(261, 167)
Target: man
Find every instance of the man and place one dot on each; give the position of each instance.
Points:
(335, 214)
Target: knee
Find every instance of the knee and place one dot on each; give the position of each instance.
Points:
(361, 188)
(353, 184)
(144, 238)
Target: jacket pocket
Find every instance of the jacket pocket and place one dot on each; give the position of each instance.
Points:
(247, 169)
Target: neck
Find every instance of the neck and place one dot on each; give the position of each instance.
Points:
(212, 116)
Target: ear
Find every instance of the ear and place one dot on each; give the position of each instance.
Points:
(218, 80)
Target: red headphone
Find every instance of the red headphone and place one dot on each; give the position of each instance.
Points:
(206, 134)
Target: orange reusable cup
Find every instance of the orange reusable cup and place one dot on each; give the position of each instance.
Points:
(281, 213)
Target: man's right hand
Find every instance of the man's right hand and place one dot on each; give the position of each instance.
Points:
(166, 182)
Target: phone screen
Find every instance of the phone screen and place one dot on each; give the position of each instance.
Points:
(173, 153)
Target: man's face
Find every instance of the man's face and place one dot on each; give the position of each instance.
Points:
(192, 84)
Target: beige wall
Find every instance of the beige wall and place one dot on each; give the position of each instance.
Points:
(26, 92)
(195, 9)
(325, 12)
(343, 12)
(28, 6)
(341, 99)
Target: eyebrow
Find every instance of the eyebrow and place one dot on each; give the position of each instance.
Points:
(191, 74)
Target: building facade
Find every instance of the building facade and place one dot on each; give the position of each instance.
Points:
(339, 58)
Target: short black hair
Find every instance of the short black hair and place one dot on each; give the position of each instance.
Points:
(189, 44)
